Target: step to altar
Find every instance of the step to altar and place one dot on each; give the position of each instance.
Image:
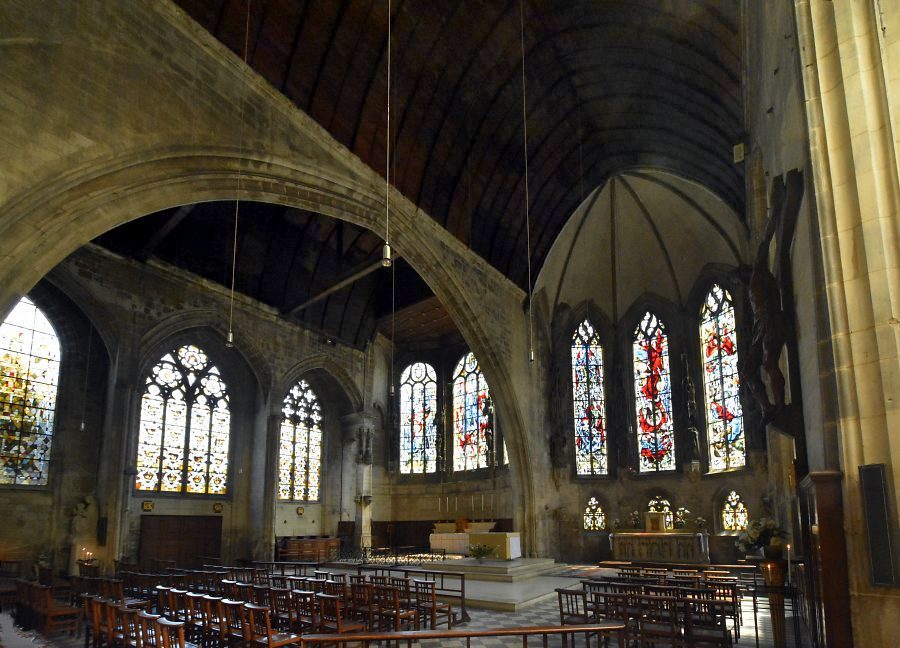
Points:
(501, 571)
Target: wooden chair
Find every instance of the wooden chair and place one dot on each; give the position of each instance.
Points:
(282, 611)
(261, 632)
(193, 617)
(322, 575)
(162, 599)
(573, 609)
(659, 621)
(87, 610)
(259, 595)
(358, 578)
(237, 629)
(362, 605)
(243, 592)
(131, 629)
(331, 616)
(171, 634)
(339, 578)
(391, 615)
(214, 624)
(336, 589)
(378, 580)
(705, 623)
(278, 580)
(429, 607)
(305, 611)
(149, 630)
(177, 609)
(114, 623)
(57, 615)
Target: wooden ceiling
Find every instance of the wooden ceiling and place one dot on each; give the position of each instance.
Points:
(611, 85)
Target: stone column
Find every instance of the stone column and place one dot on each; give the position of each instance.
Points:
(849, 92)
(358, 432)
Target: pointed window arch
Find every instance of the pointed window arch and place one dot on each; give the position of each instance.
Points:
(473, 433)
(29, 375)
(418, 430)
(588, 401)
(735, 516)
(594, 517)
(725, 438)
(653, 395)
(300, 445)
(185, 426)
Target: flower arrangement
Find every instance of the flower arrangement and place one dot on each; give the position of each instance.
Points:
(480, 551)
(763, 533)
(635, 520)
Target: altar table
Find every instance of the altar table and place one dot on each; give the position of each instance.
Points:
(507, 546)
(451, 543)
(660, 547)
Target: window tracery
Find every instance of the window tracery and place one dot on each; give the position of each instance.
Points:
(652, 394)
(735, 516)
(185, 426)
(588, 401)
(418, 429)
(721, 382)
(472, 424)
(29, 375)
(300, 446)
(594, 517)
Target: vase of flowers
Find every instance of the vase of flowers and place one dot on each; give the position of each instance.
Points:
(635, 519)
(480, 551)
(762, 534)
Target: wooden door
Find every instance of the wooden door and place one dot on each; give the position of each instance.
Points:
(180, 538)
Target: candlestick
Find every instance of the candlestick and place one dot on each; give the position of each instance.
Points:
(789, 564)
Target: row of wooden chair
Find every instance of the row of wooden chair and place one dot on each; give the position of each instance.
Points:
(36, 606)
(691, 618)
(113, 625)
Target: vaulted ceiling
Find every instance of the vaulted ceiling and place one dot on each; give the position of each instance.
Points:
(611, 85)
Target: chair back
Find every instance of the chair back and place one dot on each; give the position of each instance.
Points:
(235, 617)
(149, 629)
(171, 633)
(336, 589)
(131, 630)
(278, 580)
(572, 603)
(330, 609)
(357, 578)
(244, 592)
(259, 622)
(305, 604)
(260, 595)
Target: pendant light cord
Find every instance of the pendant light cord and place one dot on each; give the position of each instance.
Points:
(527, 213)
(387, 142)
(237, 200)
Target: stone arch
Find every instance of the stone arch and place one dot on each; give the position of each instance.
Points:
(335, 372)
(72, 208)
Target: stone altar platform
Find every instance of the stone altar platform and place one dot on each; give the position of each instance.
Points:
(503, 571)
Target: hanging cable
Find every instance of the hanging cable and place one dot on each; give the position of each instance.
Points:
(229, 340)
(386, 260)
(527, 214)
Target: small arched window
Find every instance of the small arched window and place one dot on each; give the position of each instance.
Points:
(587, 395)
(660, 504)
(653, 395)
(718, 349)
(472, 425)
(185, 426)
(418, 432)
(300, 447)
(735, 516)
(29, 374)
(594, 517)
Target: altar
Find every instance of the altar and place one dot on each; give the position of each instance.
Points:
(507, 546)
(675, 547)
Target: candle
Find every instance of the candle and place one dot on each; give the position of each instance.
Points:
(482, 503)
(473, 503)
(439, 504)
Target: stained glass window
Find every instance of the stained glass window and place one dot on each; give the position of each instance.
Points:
(735, 516)
(661, 505)
(29, 373)
(185, 426)
(653, 395)
(718, 347)
(300, 448)
(587, 392)
(418, 406)
(594, 517)
(473, 435)
(681, 515)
